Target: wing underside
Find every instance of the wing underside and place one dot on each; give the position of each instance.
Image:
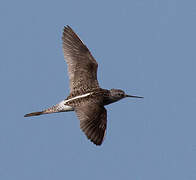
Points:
(93, 121)
(82, 67)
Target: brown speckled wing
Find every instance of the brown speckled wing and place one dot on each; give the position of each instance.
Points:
(93, 121)
(82, 67)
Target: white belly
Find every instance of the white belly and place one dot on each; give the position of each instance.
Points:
(62, 107)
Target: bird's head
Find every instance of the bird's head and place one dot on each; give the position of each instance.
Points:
(117, 94)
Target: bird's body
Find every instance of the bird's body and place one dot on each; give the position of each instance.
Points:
(86, 97)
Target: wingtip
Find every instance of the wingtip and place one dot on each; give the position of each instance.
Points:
(67, 30)
(97, 143)
(67, 27)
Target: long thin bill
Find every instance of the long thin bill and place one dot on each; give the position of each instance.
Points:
(134, 96)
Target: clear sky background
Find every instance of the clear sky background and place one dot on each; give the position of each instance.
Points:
(146, 48)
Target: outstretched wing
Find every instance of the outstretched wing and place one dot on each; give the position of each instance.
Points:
(93, 121)
(82, 67)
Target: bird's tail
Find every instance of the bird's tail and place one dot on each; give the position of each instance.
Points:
(50, 110)
(60, 107)
(34, 114)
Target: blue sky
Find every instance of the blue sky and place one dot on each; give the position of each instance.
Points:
(146, 48)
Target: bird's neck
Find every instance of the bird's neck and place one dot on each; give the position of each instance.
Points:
(109, 100)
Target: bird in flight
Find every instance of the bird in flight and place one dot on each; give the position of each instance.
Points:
(86, 97)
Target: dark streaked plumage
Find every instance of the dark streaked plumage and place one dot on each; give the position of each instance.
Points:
(82, 67)
(86, 98)
(93, 120)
